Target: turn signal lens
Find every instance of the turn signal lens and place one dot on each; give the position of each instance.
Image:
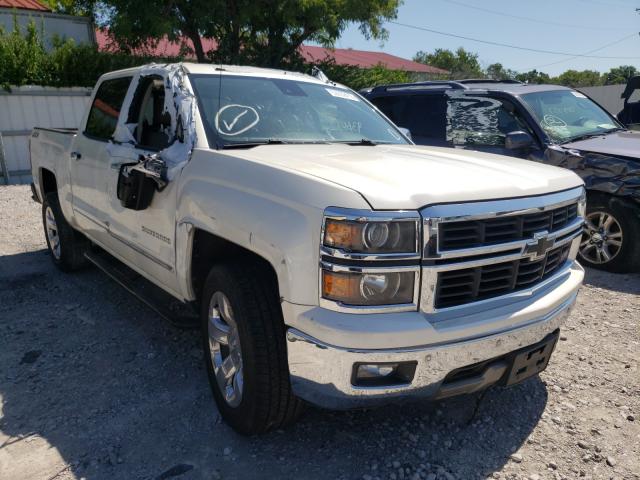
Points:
(368, 289)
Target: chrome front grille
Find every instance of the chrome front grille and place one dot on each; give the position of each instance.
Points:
(491, 231)
(457, 287)
(487, 251)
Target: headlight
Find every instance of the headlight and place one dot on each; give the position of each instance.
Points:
(582, 204)
(383, 233)
(369, 288)
(359, 251)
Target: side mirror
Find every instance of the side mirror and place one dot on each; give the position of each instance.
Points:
(406, 132)
(518, 140)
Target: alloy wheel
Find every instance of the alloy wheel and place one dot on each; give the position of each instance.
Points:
(602, 238)
(224, 349)
(52, 233)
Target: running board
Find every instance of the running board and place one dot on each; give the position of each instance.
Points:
(179, 314)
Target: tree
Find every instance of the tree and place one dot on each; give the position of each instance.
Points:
(267, 33)
(576, 79)
(461, 63)
(496, 71)
(260, 32)
(533, 76)
(620, 75)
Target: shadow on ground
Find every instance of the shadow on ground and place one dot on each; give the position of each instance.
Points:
(87, 370)
(623, 282)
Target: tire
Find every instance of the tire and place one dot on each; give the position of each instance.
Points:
(612, 225)
(66, 246)
(240, 303)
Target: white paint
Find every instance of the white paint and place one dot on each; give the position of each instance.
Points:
(234, 120)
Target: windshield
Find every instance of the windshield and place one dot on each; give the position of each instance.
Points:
(566, 114)
(243, 110)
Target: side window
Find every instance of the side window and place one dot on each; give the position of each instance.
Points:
(105, 110)
(481, 120)
(152, 121)
(424, 115)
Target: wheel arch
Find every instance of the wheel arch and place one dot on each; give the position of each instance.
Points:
(208, 249)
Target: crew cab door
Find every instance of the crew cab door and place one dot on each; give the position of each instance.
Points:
(146, 236)
(89, 162)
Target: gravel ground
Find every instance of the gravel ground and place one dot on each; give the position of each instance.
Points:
(93, 385)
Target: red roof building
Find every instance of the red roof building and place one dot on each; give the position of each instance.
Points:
(24, 5)
(341, 56)
(365, 59)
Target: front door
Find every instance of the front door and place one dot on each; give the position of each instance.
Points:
(147, 235)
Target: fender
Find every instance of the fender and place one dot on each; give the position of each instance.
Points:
(270, 211)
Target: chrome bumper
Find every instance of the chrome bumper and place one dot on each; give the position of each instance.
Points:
(322, 374)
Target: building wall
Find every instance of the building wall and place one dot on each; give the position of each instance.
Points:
(53, 24)
(27, 107)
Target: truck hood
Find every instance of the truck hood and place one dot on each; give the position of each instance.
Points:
(411, 176)
(622, 144)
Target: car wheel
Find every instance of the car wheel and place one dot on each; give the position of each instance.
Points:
(245, 351)
(66, 246)
(609, 232)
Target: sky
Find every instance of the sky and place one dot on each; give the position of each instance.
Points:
(566, 26)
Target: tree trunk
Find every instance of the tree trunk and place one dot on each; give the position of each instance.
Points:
(197, 46)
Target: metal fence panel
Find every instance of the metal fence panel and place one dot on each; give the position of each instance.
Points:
(608, 96)
(27, 107)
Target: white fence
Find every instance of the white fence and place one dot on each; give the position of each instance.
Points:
(26, 107)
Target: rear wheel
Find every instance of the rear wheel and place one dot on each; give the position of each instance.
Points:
(66, 246)
(245, 351)
(609, 232)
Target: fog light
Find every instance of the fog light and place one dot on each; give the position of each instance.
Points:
(383, 374)
(373, 371)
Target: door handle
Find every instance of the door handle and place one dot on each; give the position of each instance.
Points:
(75, 155)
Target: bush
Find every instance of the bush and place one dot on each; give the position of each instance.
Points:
(25, 61)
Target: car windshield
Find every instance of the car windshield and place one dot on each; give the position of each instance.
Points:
(566, 114)
(241, 110)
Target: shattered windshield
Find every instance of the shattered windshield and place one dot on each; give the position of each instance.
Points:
(566, 114)
(245, 110)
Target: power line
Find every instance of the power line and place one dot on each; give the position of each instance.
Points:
(586, 53)
(528, 19)
(498, 44)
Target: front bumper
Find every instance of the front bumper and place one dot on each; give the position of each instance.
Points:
(321, 373)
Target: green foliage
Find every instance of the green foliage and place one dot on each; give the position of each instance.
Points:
(22, 56)
(358, 78)
(461, 63)
(576, 79)
(496, 71)
(256, 32)
(533, 76)
(620, 75)
(24, 60)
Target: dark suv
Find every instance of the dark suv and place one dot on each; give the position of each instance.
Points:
(545, 123)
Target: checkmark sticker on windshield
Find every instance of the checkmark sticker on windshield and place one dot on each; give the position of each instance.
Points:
(235, 120)
(239, 119)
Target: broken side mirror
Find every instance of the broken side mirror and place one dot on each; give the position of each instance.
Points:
(518, 140)
(138, 182)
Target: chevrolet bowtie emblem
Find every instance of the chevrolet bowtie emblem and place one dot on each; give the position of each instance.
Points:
(539, 246)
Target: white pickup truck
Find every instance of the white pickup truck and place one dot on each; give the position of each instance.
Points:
(332, 261)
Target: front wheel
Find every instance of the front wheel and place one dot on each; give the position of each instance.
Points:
(610, 230)
(245, 350)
